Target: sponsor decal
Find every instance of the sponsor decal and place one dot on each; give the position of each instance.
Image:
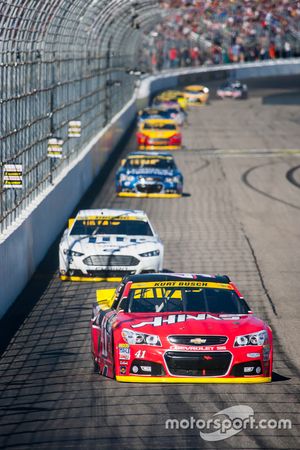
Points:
(124, 362)
(123, 369)
(55, 146)
(191, 348)
(12, 176)
(124, 351)
(182, 284)
(110, 218)
(74, 128)
(174, 318)
(253, 355)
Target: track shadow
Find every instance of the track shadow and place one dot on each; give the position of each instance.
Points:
(25, 302)
(277, 377)
(186, 194)
(291, 98)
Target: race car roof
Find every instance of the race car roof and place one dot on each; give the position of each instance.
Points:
(150, 277)
(111, 213)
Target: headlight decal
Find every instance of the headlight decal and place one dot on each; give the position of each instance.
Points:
(134, 338)
(175, 179)
(253, 339)
(149, 254)
(69, 252)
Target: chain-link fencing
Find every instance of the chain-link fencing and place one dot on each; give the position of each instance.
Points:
(61, 61)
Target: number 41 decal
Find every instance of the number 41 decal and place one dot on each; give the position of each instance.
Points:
(140, 354)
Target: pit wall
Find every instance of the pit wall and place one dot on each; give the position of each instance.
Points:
(25, 244)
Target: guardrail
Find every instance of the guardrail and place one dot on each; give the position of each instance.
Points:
(25, 245)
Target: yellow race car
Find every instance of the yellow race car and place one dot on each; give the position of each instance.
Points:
(154, 134)
(172, 95)
(196, 94)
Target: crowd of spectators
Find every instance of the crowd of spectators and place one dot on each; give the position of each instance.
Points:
(196, 32)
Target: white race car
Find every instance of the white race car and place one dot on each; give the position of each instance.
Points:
(107, 244)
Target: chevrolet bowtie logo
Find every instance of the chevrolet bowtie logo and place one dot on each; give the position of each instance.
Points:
(198, 341)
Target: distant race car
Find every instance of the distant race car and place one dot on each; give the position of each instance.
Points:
(179, 328)
(233, 89)
(174, 111)
(107, 244)
(153, 113)
(149, 174)
(171, 95)
(154, 134)
(196, 95)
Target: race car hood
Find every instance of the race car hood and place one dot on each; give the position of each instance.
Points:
(159, 134)
(166, 324)
(108, 243)
(149, 172)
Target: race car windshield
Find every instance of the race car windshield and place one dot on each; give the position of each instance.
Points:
(163, 114)
(209, 300)
(94, 227)
(230, 86)
(150, 163)
(173, 111)
(159, 126)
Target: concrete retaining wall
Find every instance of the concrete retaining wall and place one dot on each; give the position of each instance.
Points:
(150, 86)
(24, 246)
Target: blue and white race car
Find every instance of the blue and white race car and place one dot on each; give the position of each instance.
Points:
(149, 174)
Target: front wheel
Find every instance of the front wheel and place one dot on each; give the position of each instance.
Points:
(95, 366)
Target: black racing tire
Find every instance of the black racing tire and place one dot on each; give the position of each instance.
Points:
(95, 366)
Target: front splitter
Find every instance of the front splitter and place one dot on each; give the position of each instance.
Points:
(73, 278)
(144, 195)
(237, 380)
(159, 147)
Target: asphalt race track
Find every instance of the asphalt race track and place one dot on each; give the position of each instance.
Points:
(241, 216)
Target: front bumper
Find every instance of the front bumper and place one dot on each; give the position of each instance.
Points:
(150, 189)
(197, 366)
(230, 95)
(76, 270)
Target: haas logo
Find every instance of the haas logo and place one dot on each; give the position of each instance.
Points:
(174, 318)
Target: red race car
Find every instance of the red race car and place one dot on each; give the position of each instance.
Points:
(179, 328)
